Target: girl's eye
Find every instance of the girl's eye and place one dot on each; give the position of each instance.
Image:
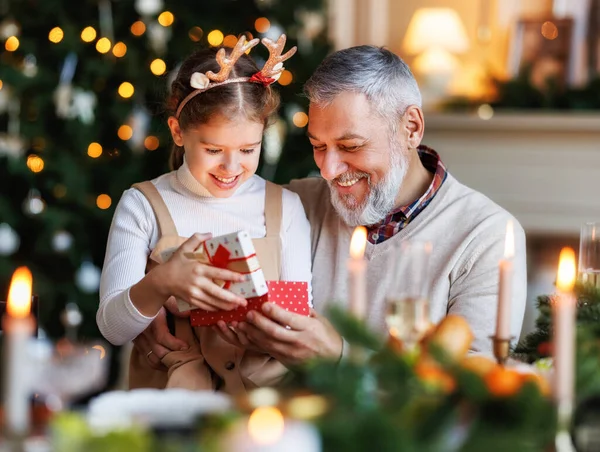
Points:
(247, 151)
(213, 151)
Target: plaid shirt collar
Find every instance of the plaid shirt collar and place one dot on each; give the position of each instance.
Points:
(402, 216)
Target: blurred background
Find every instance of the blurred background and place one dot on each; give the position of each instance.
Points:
(511, 98)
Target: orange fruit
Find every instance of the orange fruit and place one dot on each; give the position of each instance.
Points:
(480, 364)
(503, 382)
(453, 334)
(434, 376)
(542, 383)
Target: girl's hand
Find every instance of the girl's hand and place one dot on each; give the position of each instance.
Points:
(193, 281)
(233, 335)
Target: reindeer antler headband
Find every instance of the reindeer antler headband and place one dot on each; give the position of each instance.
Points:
(270, 72)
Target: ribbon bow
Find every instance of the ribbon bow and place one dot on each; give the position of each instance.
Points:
(258, 77)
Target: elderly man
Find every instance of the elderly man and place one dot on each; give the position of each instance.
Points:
(366, 127)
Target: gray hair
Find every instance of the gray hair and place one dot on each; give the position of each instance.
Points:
(382, 76)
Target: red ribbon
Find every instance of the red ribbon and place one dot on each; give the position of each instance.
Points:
(258, 77)
(221, 259)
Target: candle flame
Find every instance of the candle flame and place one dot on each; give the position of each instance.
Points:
(358, 243)
(19, 293)
(509, 243)
(566, 270)
(265, 425)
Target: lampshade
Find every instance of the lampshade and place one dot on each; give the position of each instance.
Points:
(435, 27)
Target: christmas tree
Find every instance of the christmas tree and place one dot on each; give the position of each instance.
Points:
(82, 91)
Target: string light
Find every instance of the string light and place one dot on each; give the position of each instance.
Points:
(262, 24)
(12, 44)
(158, 67)
(285, 78)
(166, 18)
(151, 143)
(56, 35)
(125, 132)
(1, 84)
(195, 34)
(103, 45)
(230, 41)
(300, 119)
(103, 201)
(138, 28)
(215, 38)
(35, 163)
(119, 50)
(126, 90)
(88, 34)
(94, 150)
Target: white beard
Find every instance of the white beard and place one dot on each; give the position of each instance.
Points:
(380, 200)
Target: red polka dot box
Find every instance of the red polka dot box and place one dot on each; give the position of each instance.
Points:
(291, 295)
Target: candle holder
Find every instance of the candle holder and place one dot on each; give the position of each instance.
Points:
(501, 348)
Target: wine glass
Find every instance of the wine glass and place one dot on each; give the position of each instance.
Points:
(407, 304)
(589, 254)
(68, 370)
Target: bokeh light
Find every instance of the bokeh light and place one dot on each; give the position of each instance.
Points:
(166, 18)
(103, 201)
(262, 24)
(195, 34)
(126, 90)
(119, 50)
(88, 34)
(230, 41)
(125, 132)
(549, 30)
(12, 44)
(215, 38)
(300, 119)
(35, 163)
(158, 67)
(138, 28)
(151, 143)
(103, 45)
(285, 78)
(94, 150)
(56, 35)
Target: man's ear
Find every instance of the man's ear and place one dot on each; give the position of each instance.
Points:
(413, 125)
(175, 130)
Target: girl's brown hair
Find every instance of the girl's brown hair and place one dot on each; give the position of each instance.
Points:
(252, 100)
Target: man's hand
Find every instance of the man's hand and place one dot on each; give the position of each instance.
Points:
(156, 340)
(301, 339)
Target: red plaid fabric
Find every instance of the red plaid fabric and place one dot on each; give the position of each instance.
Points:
(399, 218)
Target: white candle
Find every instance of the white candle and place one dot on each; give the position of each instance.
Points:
(266, 430)
(18, 327)
(357, 266)
(505, 285)
(564, 314)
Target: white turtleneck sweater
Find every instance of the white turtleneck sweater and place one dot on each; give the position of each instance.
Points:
(134, 233)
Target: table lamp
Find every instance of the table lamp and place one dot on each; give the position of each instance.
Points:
(434, 36)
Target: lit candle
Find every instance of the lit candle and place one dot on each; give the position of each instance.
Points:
(18, 327)
(505, 285)
(357, 266)
(564, 313)
(266, 430)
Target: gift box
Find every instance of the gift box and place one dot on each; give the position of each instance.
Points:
(234, 252)
(290, 295)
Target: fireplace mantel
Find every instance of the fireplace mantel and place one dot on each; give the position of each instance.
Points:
(543, 168)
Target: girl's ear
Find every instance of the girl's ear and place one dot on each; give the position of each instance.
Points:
(175, 130)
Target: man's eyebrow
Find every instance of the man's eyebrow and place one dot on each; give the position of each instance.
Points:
(344, 137)
(350, 136)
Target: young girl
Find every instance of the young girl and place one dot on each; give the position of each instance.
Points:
(220, 104)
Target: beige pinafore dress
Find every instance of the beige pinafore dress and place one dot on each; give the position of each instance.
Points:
(210, 362)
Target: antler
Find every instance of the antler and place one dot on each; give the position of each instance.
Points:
(274, 64)
(228, 61)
